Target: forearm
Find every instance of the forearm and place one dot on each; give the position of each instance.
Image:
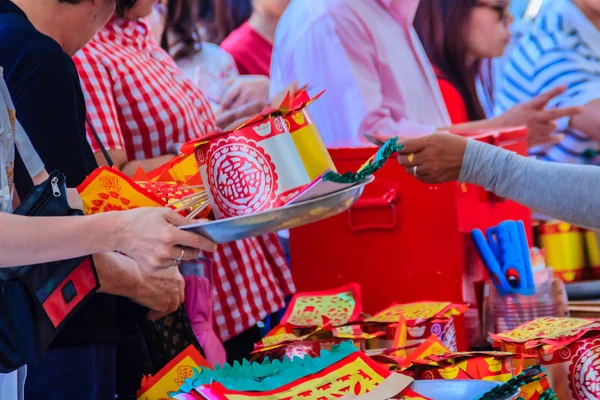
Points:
(475, 125)
(567, 192)
(147, 165)
(588, 121)
(33, 240)
(119, 275)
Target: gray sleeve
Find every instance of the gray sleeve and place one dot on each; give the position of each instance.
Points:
(570, 193)
(30, 157)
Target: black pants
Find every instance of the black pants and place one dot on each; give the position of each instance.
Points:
(78, 372)
(240, 347)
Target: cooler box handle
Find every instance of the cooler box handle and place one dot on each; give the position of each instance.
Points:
(372, 205)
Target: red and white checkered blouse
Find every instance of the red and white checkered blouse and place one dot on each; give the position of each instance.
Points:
(139, 101)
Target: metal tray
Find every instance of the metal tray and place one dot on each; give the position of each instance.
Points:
(437, 389)
(288, 217)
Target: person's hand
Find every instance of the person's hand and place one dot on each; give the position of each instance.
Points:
(161, 291)
(151, 237)
(233, 118)
(539, 121)
(290, 90)
(435, 158)
(245, 89)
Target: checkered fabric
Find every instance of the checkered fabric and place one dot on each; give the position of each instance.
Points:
(139, 102)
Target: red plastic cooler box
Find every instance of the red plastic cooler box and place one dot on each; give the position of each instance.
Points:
(403, 240)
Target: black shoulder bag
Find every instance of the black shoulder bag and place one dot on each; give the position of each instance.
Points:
(37, 300)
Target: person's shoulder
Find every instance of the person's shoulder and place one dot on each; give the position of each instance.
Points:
(550, 33)
(23, 47)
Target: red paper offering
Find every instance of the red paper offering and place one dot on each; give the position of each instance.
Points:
(261, 164)
(569, 350)
(288, 345)
(342, 306)
(423, 319)
(355, 375)
(418, 312)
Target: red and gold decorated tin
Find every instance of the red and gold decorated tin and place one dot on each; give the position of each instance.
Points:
(262, 164)
(574, 370)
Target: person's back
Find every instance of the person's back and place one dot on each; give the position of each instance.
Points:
(44, 86)
(366, 55)
(560, 48)
(28, 62)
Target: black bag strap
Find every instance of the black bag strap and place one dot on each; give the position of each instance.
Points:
(109, 160)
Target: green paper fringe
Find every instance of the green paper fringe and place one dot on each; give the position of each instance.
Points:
(268, 375)
(530, 375)
(383, 154)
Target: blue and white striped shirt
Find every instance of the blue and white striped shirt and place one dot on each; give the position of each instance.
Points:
(562, 47)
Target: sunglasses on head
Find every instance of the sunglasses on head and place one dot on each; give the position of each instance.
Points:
(501, 8)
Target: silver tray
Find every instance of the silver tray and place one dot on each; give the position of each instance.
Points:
(278, 219)
(456, 389)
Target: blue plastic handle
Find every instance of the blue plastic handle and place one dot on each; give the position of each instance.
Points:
(491, 262)
(505, 252)
(529, 282)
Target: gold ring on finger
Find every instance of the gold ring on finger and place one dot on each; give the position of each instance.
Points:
(181, 255)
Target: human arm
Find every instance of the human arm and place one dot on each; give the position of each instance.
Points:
(148, 235)
(161, 291)
(245, 89)
(119, 159)
(540, 121)
(589, 119)
(102, 109)
(566, 192)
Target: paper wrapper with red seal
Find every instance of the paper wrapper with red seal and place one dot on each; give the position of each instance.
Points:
(568, 348)
(172, 376)
(306, 136)
(280, 345)
(261, 164)
(422, 319)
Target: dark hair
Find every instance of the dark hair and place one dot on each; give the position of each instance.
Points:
(441, 26)
(228, 16)
(181, 23)
(122, 5)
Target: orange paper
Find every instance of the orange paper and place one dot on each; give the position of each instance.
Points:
(107, 189)
(172, 376)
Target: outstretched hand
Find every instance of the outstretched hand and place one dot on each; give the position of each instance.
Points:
(541, 122)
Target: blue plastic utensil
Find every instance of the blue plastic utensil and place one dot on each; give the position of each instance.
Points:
(505, 252)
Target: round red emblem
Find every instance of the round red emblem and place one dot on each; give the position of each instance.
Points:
(241, 176)
(584, 372)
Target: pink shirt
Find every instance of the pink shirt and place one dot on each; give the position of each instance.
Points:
(251, 51)
(367, 56)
